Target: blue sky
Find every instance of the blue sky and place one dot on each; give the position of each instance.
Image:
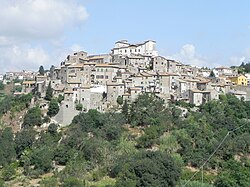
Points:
(202, 33)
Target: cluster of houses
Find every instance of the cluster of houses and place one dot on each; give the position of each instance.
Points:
(96, 81)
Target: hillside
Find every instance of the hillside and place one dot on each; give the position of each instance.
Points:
(147, 144)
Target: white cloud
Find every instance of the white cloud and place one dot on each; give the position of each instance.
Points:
(188, 55)
(18, 58)
(32, 32)
(39, 19)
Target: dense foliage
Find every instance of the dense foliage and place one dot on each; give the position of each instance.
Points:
(148, 144)
(53, 108)
(49, 92)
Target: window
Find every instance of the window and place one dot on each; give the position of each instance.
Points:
(82, 99)
(106, 77)
(135, 50)
(125, 50)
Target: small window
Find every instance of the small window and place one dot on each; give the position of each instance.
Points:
(67, 106)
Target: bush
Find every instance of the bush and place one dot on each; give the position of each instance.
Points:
(53, 108)
(49, 182)
(52, 129)
(72, 181)
(32, 118)
(60, 98)
(8, 172)
(79, 107)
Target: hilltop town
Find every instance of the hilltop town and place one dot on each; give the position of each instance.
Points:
(127, 118)
(105, 81)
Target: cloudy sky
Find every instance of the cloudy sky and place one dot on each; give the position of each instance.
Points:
(202, 33)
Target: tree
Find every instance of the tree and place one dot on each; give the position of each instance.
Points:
(24, 140)
(119, 100)
(41, 70)
(32, 118)
(60, 98)
(49, 182)
(42, 159)
(51, 71)
(234, 174)
(79, 107)
(72, 181)
(49, 92)
(212, 74)
(147, 110)
(1, 86)
(52, 129)
(7, 147)
(53, 108)
(148, 169)
(8, 172)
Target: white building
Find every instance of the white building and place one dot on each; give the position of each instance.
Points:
(123, 48)
(1, 77)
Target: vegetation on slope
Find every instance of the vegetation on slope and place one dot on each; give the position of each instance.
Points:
(160, 147)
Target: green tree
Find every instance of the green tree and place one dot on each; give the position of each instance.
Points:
(1, 86)
(212, 74)
(148, 169)
(147, 110)
(234, 174)
(32, 118)
(53, 108)
(79, 107)
(7, 147)
(49, 92)
(42, 159)
(49, 182)
(71, 181)
(119, 100)
(52, 129)
(8, 172)
(60, 98)
(41, 70)
(24, 140)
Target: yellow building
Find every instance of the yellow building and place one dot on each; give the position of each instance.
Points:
(239, 80)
